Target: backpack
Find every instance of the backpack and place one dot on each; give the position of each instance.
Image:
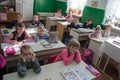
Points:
(2, 62)
(87, 56)
(10, 51)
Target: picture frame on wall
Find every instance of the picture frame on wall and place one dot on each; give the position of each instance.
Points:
(94, 3)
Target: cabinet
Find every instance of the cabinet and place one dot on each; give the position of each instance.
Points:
(25, 7)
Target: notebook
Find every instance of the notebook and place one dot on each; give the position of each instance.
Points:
(53, 37)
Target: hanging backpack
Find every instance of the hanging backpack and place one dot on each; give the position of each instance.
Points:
(2, 62)
(10, 51)
(87, 56)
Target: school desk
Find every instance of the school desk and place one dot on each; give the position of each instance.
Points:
(41, 51)
(51, 22)
(112, 50)
(81, 33)
(52, 71)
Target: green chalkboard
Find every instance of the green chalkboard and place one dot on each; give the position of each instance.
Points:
(61, 5)
(97, 15)
(44, 6)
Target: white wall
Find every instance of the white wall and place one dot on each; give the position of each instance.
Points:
(101, 4)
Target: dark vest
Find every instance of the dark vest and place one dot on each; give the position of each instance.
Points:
(22, 37)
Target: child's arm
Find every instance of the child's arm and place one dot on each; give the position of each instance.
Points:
(77, 57)
(7, 39)
(67, 58)
(28, 37)
(36, 65)
(21, 68)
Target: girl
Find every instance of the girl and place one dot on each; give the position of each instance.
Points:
(97, 33)
(41, 34)
(107, 31)
(70, 54)
(27, 60)
(58, 13)
(69, 16)
(35, 22)
(19, 35)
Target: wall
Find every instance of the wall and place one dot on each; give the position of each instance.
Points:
(95, 13)
(44, 6)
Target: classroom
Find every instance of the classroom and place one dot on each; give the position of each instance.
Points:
(59, 40)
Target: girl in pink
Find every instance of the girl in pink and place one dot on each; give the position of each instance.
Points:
(70, 54)
(19, 35)
(58, 13)
(69, 16)
(97, 33)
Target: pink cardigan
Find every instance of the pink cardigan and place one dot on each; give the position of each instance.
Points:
(64, 55)
(28, 38)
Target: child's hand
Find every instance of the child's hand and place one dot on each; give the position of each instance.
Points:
(13, 42)
(33, 57)
(23, 58)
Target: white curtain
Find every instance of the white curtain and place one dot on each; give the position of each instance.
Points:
(76, 4)
(112, 9)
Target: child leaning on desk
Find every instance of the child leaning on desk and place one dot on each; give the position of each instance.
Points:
(71, 53)
(19, 35)
(41, 34)
(58, 13)
(107, 31)
(27, 60)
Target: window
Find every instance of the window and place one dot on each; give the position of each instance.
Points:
(76, 5)
(112, 12)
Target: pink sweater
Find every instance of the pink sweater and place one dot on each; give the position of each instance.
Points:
(28, 38)
(64, 55)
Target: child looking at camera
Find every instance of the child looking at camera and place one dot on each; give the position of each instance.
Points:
(70, 53)
(41, 34)
(27, 60)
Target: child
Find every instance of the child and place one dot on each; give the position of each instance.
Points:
(35, 22)
(107, 31)
(97, 33)
(41, 34)
(19, 35)
(27, 60)
(70, 54)
(12, 24)
(88, 24)
(58, 13)
(69, 16)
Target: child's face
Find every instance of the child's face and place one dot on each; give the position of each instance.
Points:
(20, 30)
(73, 49)
(108, 28)
(19, 19)
(35, 18)
(40, 31)
(98, 30)
(27, 54)
(89, 22)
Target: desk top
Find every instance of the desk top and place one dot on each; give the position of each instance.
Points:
(36, 46)
(56, 18)
(51, 71)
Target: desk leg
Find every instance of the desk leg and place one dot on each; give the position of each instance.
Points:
(99, 61)
(106, 63)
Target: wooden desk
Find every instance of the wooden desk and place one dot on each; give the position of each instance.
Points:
(41, 51)
(52, 21)
(61, 28)
(81, 33)
(50, 71)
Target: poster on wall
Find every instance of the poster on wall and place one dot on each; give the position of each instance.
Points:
(94, 3)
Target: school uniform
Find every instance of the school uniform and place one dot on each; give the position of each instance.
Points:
(87, 26)
(34, 24)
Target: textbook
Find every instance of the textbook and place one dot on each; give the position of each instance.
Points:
(70, 74)
(6, 32)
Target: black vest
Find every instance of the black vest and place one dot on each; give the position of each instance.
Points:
(22, 37)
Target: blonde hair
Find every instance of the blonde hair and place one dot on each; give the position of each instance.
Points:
(74, 43)
(98, 27)
(19, 16)
(26, 49)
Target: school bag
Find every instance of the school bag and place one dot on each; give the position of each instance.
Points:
(10, 51)
(2, 62)
(87, 56)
